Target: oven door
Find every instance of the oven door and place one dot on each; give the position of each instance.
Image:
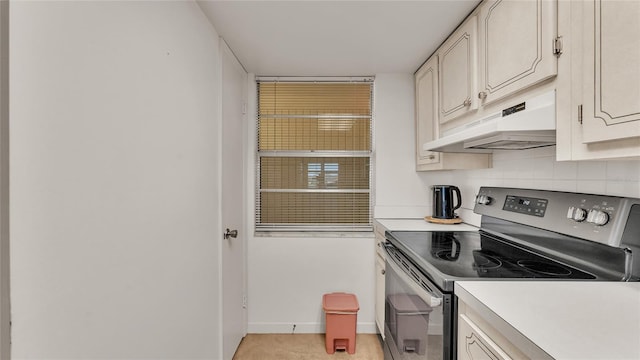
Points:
(418, 316)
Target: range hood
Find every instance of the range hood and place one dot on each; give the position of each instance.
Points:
(525, 125)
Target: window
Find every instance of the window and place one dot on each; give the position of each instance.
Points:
(314, 155)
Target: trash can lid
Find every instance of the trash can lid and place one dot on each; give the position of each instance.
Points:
(340, 302)
(408, 303)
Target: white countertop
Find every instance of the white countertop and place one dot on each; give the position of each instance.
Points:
(422, 225)
(568, 320)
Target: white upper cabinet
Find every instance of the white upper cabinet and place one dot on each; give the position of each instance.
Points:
(516, 46)
(611, 75)
(502, 50)
(458, 72)
(598, 98)
(426, 111)
(426, 81)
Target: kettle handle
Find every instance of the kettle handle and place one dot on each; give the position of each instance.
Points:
(458, 196)
(456, 245)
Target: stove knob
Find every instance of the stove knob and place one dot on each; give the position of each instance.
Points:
(577, 214)
(597, 217)
(483, 200)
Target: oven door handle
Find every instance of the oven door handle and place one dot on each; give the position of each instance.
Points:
(429, 297)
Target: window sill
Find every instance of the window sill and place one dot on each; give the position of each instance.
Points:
(314, 234)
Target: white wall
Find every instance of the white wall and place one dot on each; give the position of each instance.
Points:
(400, 191)
(287, 275)
(114, 241)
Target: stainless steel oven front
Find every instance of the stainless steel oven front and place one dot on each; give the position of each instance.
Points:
(419, 318)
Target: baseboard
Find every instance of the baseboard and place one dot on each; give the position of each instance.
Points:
(303, 328)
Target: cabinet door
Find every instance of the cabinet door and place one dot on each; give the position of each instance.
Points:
(426, 111)
(515, 46)
(611, 83)
(458, 72)
(474, 344)
(380, 269)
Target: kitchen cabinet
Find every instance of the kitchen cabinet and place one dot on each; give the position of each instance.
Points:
(603, 81)
(611, 76)
(380, 270)
(458, 72)
(515, 46)
(578, 320)
(505, 53)
(475, 344)
(380, 283)
(426, 93)
(503, 48)
(426, 79)
(483, 335)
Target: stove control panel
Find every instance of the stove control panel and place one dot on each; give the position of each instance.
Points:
(593, 210)
(525, 205)
(594, 217)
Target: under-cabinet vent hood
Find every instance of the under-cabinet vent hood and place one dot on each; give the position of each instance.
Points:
(526, 125)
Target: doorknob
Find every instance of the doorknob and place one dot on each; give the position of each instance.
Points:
(230, 234)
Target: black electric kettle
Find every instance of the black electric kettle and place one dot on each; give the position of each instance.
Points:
(443, 202)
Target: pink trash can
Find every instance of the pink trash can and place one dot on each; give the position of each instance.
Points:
(341, 312)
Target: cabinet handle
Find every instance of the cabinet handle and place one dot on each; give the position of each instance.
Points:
(482, 95)
(382, 271)
(467, 102)
(431, 157)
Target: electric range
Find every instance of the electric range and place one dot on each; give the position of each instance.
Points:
(525, 234)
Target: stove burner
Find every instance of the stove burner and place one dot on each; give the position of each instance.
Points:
(484, 261)
(544, 268)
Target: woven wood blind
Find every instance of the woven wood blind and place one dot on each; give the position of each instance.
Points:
(314, 156)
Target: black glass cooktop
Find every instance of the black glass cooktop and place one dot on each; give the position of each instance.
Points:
(449, 256)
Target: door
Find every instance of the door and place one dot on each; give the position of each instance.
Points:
(611, 88)
(515, 46)
(379, 304)
(458, 72)
(234, 319)
(418, 317)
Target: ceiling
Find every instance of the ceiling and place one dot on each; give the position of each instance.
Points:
(334, 38)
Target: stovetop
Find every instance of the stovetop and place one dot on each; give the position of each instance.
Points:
(450, 256)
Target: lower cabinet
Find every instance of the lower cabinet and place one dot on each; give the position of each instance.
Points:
(380, 269)
(474, 344)
(483, 336)
(380, 284)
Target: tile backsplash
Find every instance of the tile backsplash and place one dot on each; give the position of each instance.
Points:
(538, 169)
